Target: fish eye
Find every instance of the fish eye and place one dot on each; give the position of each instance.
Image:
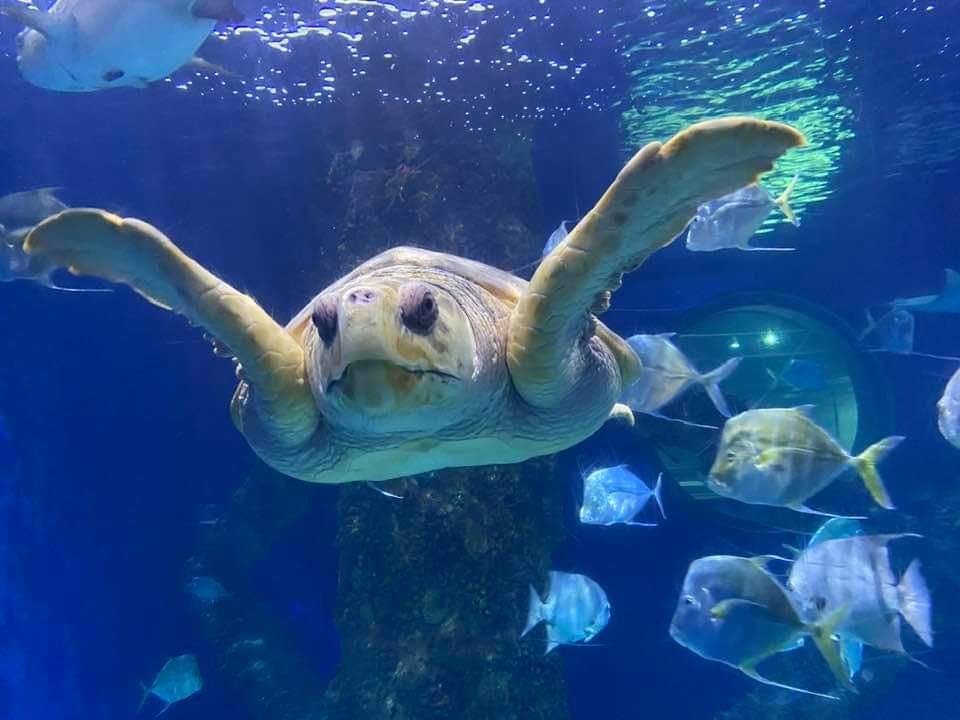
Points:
(820, 602)
(688, 600)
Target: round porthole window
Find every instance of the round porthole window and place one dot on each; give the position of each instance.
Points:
(793, 353)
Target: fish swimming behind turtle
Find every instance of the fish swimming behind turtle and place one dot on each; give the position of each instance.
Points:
(178, 679)
(730, 221)
(417, 360)
(781, 457)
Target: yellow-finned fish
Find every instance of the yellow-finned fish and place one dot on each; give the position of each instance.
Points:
(779, 456)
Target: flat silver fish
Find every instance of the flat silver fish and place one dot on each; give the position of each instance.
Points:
(89, 45)
(851, 649)
(780, 457)
(892, 332)
(615, 495)
(730, 221)
(667, 373)
(576, 609)
(732, 610)
(177, 680)
(948, 411)
(28, 207)
(854, 573)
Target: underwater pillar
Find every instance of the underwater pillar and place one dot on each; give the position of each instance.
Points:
(433, 595)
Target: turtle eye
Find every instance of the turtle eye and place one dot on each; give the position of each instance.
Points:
(325, 320)
(418, 309)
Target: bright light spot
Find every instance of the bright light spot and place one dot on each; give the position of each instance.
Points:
(770, 339)
(734, 344)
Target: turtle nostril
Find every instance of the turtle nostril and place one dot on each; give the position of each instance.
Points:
(361, 296)
(325, 320)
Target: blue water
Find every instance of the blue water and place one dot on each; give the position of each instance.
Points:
(115, 441)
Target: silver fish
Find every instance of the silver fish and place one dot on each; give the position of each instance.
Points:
(615, 495)
(732, 610)
(892, 332)
(730, 221)
(88, 45)
(854, 573)
(556, 237)
(851, 649)
(948, 411)
(28, 207)
(780, 457)
(667, 374)
(177, 680)
(576, 609)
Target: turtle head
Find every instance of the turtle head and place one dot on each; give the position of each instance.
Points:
(391, 355)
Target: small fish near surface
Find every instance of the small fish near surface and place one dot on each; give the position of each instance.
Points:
(948, 411)
(947, 301)
(732, 610)
(730, 221)
(575, 611)
(667, 373)
(89, 45)
(855, 573)
(177, 680)
(615, 495)
(781, 457)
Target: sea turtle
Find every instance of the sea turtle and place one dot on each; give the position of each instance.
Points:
(417, 360)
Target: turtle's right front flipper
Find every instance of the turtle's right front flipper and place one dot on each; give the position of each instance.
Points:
(130, 251)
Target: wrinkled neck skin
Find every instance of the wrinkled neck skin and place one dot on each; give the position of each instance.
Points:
(490, 425)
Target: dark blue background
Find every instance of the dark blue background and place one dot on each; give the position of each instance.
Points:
(118, 431)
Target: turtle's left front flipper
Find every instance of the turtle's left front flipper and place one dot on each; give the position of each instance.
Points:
(130, 251)
(648, 205)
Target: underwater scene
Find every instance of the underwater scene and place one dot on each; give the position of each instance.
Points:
(455, 360)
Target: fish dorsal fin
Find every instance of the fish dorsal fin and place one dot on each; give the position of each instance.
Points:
(952, 279)
(805, 409)
(762, 561)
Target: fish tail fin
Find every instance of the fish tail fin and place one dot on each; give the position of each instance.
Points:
(657, 489)
(822, 634)
(783, 202)
(534, 612)
(143, 697)
(915, 602)
(711, 383)
(866, 466)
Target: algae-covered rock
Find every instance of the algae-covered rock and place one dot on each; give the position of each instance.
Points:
(433, 595)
